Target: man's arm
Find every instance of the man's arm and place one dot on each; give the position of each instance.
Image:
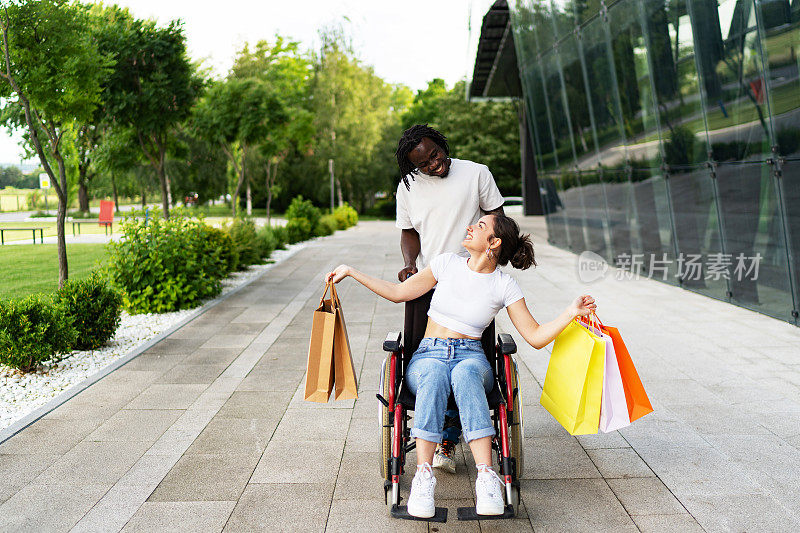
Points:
(409, 246)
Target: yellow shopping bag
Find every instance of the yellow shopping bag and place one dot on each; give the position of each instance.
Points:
(573, 386)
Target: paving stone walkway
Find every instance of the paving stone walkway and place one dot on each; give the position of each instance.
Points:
(208, 431)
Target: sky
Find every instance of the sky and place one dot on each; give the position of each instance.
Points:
(409, 42)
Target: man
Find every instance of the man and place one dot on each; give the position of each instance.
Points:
(437, 199)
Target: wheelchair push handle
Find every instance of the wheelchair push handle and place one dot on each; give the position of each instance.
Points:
(506, 344)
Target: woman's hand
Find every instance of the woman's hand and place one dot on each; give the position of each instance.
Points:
(341, 272)
(582, 306)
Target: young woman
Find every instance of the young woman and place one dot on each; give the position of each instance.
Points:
(470, 291)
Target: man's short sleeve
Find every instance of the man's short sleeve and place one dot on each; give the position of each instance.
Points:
(513, 292)
(402, 218)
(490, 197)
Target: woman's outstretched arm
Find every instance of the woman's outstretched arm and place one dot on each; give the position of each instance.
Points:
(413, 287)
(540, 335)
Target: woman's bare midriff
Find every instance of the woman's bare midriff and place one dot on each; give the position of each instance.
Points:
(440, 332)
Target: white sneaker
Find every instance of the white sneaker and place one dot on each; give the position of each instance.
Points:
(489, 492)
(443, 457)
(420, 501)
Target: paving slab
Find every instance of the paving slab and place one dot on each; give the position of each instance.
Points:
(180, 516)
(208, 429)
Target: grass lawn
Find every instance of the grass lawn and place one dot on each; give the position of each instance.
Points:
(29, 269)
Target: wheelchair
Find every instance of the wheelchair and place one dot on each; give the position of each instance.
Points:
(505, 405)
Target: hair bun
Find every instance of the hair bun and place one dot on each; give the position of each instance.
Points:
(523, 257)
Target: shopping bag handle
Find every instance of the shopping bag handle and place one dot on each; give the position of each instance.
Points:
(328, 285)
(591, 320)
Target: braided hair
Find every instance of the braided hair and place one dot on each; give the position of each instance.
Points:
(410, 139)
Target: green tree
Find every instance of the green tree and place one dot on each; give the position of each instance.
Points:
(54, 69)
(352, 108)
(484, 132)
(238, 115)
(153, 87)
(287, 71)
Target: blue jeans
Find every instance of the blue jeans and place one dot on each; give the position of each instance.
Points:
(440, 366)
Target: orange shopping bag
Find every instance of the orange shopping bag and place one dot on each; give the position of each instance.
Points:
(638, 402)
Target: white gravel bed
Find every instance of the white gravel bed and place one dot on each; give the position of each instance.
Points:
(21, 394)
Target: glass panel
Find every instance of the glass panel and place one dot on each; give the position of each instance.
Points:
(573, 205)
(755, 247)
(638, 112)
(791, 200)
(618, 193)
(670, 39)
(736, 107)
(564, 17)
(594, 204)
(655, 242)
(697, 229)
(779, 24)
(602, 90)
(580, 118)
(554, 209)
(558, 113)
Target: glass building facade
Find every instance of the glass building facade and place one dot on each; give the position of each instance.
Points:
(666, 138)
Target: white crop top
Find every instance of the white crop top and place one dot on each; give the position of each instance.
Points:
(467, 301)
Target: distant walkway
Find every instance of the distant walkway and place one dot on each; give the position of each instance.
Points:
(208, 430)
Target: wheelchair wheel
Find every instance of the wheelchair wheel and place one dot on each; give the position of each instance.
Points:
(386, 420)
(517, 434)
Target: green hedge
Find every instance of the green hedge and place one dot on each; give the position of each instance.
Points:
(327, 225)
(33, 330)
(94, 308)
(166, 265)
(345, 216)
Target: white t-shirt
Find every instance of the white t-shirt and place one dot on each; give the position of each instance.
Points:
(440, 209)
(467, 301)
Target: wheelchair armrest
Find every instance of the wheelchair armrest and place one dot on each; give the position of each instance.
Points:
(392, 342)
(506, 343)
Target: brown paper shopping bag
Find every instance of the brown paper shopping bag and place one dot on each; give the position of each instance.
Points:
(346, 385)
(319, 369)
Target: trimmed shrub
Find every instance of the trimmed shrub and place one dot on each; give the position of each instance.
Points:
(298, 229)
(327, 225)
(165, 265)
(243, 234)
(94, 308)
(300, 208)
(34, 330)
(345, 216)
(268, 241)
(281, 236)
(384, 208)
(218, 240)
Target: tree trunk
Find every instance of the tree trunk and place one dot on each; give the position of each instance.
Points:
(63, 268)
(339, 192)
(169, 185)
(83, 196)
(144, 198)
(235, 199)
(114, 192)
(249, 199)
(269, 188)
(162, 178)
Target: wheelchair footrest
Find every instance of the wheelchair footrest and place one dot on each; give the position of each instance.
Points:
(401, 511)
(469, 513)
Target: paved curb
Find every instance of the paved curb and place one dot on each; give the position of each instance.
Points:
(68, 394)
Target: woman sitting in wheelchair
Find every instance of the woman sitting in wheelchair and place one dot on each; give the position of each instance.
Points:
(470, 291)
